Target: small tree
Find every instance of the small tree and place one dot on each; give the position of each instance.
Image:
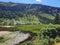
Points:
(57, 19)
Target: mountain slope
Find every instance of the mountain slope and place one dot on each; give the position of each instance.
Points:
(27, 13)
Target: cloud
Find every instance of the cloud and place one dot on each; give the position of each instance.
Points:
(39, 0)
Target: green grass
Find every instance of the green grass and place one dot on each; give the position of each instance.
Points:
(35, 28)
(31, 28)
(48, 16)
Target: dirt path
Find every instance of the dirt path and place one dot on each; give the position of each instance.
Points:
(58, 44)
(6, 28)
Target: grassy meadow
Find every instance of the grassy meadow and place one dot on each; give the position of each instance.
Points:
(36, 28)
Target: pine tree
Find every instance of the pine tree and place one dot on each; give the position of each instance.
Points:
(57, 19)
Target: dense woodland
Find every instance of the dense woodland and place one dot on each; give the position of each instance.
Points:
(27, 13)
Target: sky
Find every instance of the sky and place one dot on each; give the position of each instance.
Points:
(54, 3)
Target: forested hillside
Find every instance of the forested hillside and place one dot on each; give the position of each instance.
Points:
(26, 13)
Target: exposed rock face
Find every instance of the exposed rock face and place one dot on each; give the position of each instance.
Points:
(14, 37)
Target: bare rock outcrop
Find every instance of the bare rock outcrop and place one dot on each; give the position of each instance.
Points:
(14, 37)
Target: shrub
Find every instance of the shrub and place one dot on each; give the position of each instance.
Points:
(1, 39)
